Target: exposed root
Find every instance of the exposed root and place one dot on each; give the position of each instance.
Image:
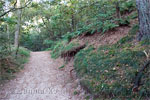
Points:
(67, 55)
(71, 73)
(90, 33)
(138, 77)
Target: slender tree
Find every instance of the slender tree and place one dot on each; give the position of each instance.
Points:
(143, 7)
(18, 26)
(118, 9)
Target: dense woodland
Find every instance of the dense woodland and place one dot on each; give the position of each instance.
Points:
(79, 30)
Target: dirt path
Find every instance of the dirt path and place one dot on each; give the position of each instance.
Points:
(40, 80)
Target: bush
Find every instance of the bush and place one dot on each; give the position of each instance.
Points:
(4, 45)
(24, 52)
(10, 64)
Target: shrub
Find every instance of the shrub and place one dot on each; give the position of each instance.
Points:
(10, 64)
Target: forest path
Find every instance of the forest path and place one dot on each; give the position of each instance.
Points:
(40, 80)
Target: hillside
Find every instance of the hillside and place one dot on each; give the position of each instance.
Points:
(109, 64)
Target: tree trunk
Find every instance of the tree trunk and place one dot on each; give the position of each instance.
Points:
(143, 7)
(8, 34)
(18, 26)
(118, 10)
(73, 22)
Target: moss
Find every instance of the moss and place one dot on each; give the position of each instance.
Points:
(109, 70)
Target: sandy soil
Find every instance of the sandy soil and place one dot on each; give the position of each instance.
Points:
(108, 38)
(41, 79)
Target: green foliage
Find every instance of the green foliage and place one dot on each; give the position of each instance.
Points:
(128, 6)
(35, 42)
(10, 64)
(22, 51)
(134, 30)
(4, 42)
(124, 21)
(72, 19)
(23, 58)
(145, 42)
(129, 37)
(49, 43)
(62, 67)
(4, 51)
(134, 15)
(9, 20)
(62, 46)
(108, 25)
(58, 49)
(125, 39)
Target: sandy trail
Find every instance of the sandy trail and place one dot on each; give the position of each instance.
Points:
(40, 80)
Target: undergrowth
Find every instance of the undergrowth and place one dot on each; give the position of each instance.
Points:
(105, 21)
(62, 46)
(109, 71)
(12, 64)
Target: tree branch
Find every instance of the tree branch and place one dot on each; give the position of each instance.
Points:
(14, 9)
